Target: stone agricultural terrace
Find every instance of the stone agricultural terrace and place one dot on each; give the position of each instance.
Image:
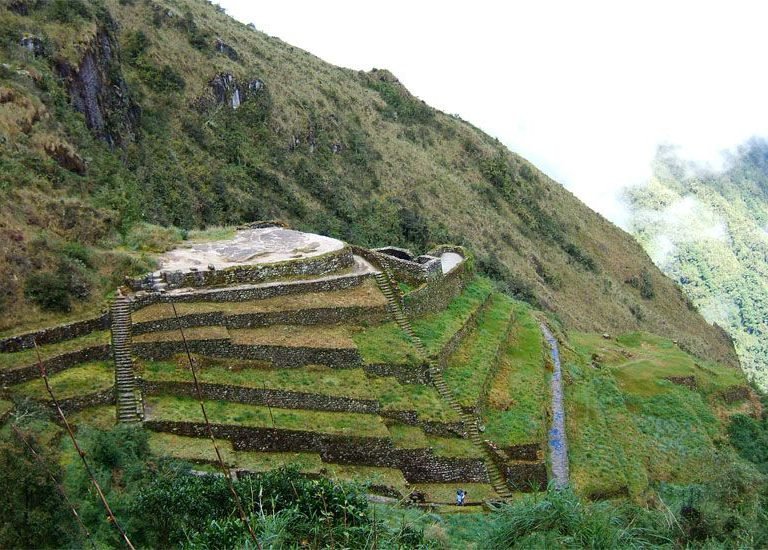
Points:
(378, 365)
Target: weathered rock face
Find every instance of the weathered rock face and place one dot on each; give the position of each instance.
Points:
(226, 90)
(222, 47)
(99, 91)
(33, 44)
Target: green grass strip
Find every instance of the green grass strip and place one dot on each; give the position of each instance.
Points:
(221, 412)
(516, 411)
(29, 357)
(385, 344)
(413, 437)
(436, 329)
(468, 367)
(80, 380)
(352, 383)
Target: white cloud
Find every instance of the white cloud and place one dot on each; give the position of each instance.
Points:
(585, 90)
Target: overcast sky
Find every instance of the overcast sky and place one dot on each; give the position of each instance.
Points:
(585, 90)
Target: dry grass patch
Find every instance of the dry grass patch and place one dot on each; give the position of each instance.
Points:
(335, 337)
(364, 295)
(194, 333)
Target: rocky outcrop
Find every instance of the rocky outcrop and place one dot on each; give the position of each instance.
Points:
(98, 90)
(33, 44)
(222, 47)
(225, 89)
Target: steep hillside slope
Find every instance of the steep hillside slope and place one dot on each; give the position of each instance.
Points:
(124, 113)
(709, 232)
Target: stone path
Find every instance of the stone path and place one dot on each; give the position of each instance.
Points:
(558, 444)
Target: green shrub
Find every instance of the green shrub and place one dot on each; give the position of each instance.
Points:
(161, 79)
(67, 11)
(134, 45)
(78, 252)
(402, 106)
(561, 520)
(49, 290)
(750, 438)
(32, 512)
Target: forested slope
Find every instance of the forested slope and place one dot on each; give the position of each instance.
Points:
(708, 230)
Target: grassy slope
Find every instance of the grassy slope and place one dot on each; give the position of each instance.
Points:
(629, 427)
(518, 398)
(405, 174)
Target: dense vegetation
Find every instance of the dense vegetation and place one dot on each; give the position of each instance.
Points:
(121, 137)
(160, 503)
(708, 231)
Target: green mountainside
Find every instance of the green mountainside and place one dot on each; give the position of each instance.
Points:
(709, 232)
(127, 125)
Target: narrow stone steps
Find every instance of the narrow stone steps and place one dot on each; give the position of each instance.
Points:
(127, 402)
(394, 305)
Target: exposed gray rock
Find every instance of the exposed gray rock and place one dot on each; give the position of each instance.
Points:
(226, 90)
(222, 47)
(99, 91)
(33, 44)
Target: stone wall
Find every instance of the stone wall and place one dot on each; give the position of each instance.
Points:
(406, 374)
(54, 335)
(299, 400)
(520, 475)
(247, 293)
(55, 364)
(279, 356)
(527, 451)
(526, 477)
(458, 337)
(417, 465)
(80, 402)
(435, 295)
(323, 264)
(258, 396)
(314, 316)
(408, 269)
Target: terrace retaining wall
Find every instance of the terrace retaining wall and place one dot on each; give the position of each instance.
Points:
(278, 356)
(417, 465)
(458, 337)
(313, 316)
(330, 262)
(406, 374)
(55, 364)
(54, 335)
(81, 402)
(246, 293)
(286, 399)
(436, 294)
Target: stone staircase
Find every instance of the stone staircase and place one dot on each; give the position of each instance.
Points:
(157, 283)
(128, 404)
(395, 306)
